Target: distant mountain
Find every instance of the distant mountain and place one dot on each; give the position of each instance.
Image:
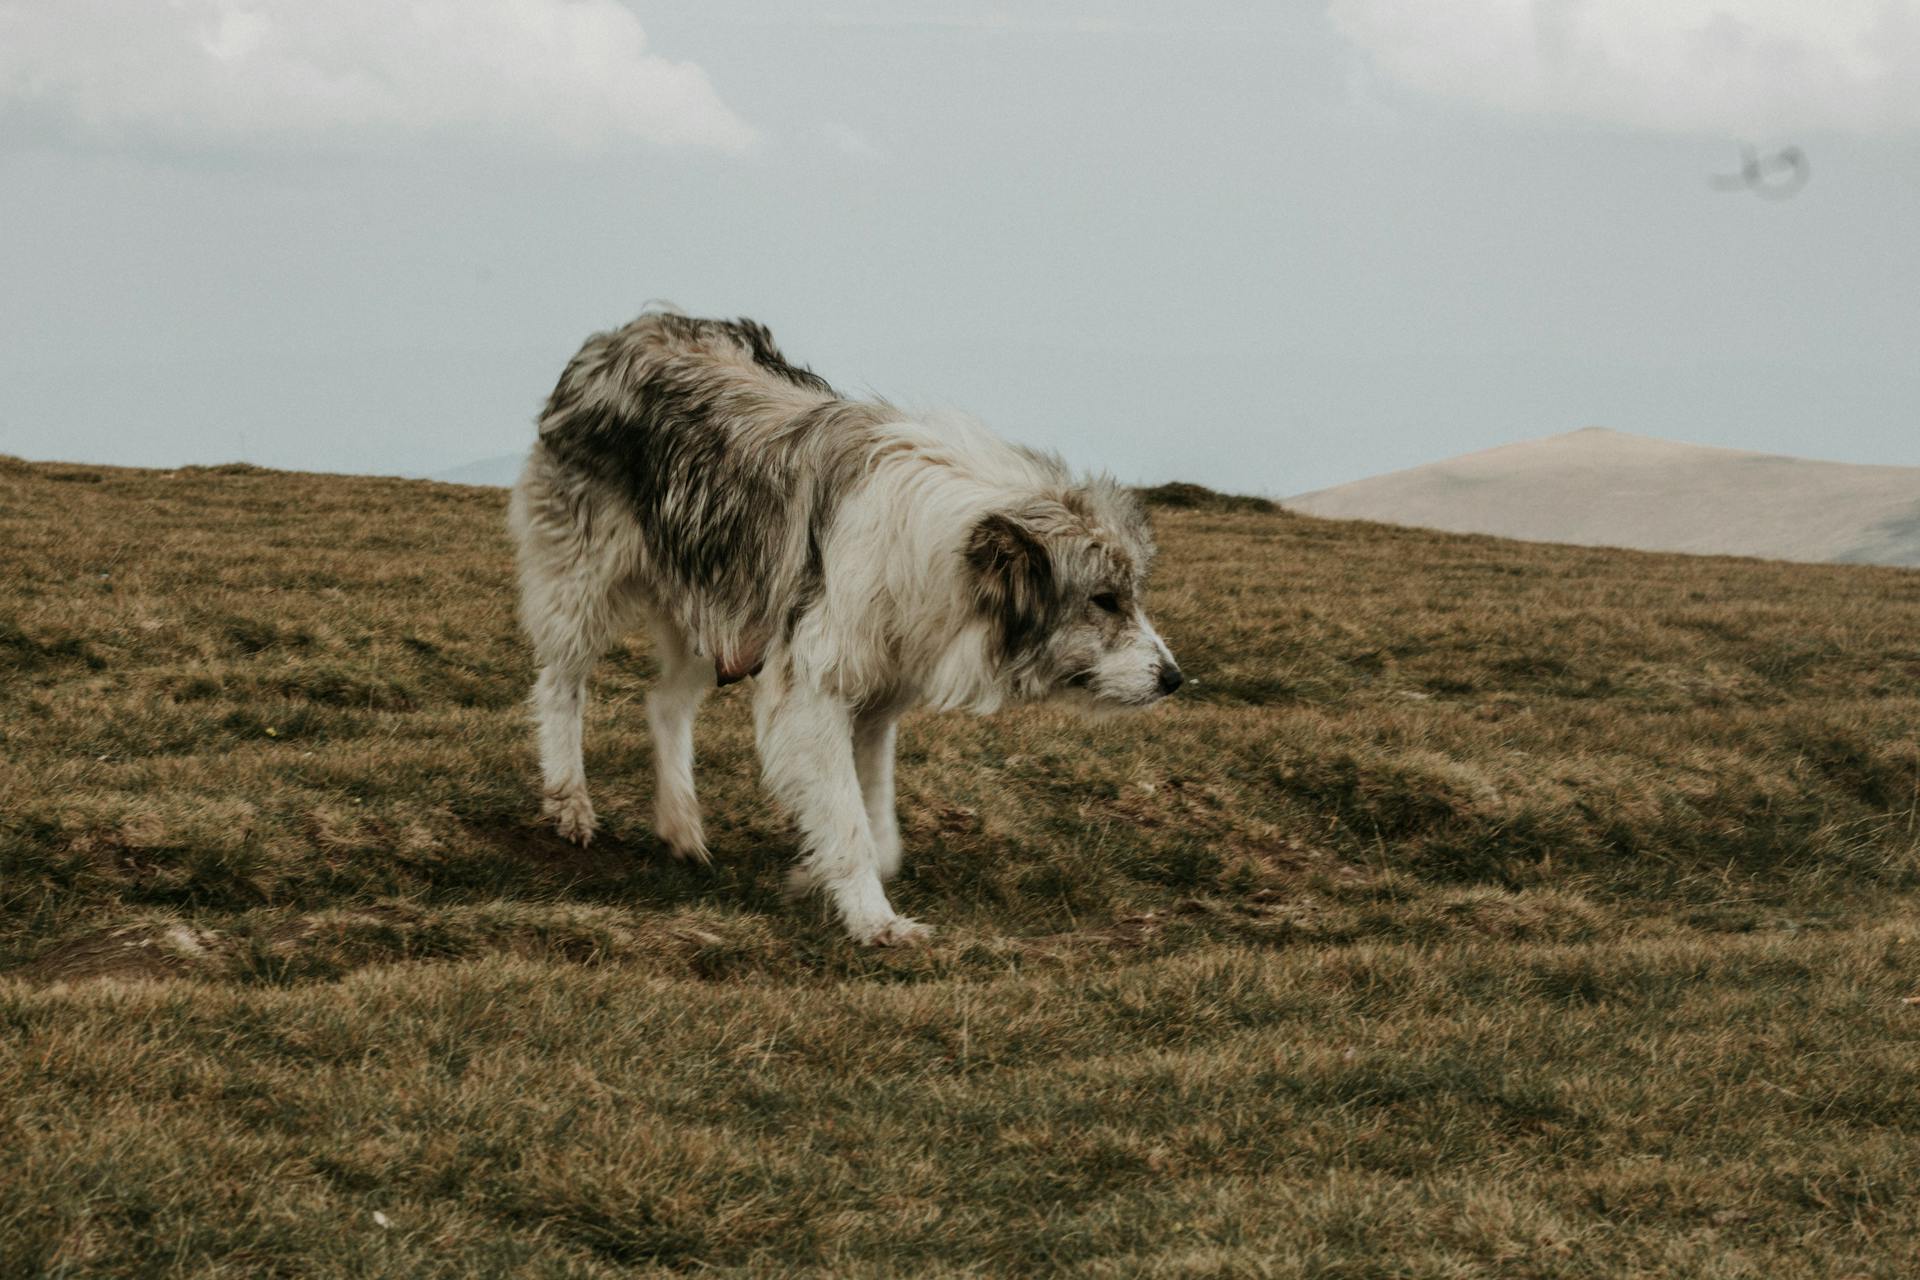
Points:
(1606, 488)
(500, 473)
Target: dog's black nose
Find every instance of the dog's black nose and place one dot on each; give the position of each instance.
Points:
(1170, 678)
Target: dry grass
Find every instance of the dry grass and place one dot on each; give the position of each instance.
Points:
(1487, 910)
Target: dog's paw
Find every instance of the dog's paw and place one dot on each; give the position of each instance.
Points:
(685, 847)
(677, 822)
(798, 884)
(899, 932)
(571, 814)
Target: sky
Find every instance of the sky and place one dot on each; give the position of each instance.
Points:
(1265, 247)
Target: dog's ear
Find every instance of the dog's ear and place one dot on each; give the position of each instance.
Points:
(1013, 579)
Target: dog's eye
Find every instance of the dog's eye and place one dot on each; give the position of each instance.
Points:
(1107, 602)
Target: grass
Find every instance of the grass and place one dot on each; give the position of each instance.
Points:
(1483, 909)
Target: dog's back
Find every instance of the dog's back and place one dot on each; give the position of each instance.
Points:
(725, 460)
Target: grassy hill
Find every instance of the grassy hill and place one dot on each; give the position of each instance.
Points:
(1483, 909)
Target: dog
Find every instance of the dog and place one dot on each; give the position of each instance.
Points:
(689, 479)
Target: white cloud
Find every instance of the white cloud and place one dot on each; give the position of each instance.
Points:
(1741, 67)
(225, 72)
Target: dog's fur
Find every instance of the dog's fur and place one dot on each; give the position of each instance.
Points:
(690, 479)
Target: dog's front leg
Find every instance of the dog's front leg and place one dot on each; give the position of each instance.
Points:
(873, 741)
(807, 751)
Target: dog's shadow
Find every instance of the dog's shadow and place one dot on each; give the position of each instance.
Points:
(628, 865)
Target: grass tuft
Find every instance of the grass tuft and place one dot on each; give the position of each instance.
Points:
(1182, 496)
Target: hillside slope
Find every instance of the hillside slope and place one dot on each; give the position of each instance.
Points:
(498, 472)
(1482, 909)
(1605, 488)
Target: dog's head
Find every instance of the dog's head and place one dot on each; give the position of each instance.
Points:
(1061, 577)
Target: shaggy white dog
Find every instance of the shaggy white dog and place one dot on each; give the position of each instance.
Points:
(689, 479)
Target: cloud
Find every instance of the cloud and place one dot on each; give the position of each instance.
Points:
(213, 73)
(1740, 67)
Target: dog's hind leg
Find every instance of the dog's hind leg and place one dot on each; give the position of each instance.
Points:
(806, 750)
(684, 681)
(873, 750)
(567, 650)
(572, 607)
(559, 709)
